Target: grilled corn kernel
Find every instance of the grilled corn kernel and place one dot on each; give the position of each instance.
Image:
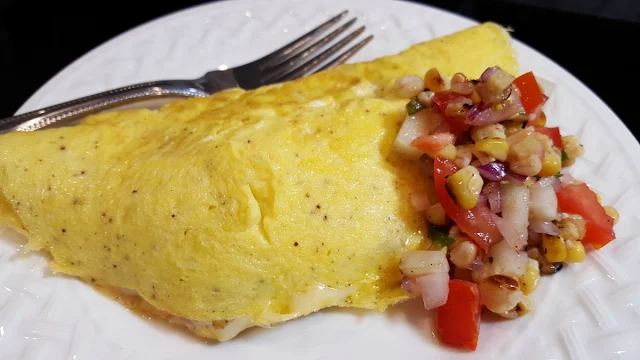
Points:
(463, 254)
(434, 81)
(611, 211)
(465, 185)
(554, 248)
(448, 152)
(572, 147)
(568, 230)
(437, 216)
(475, 97)
(526, 147)
(512, 127)
(547, 144)
(531, 277)
(495, 147)
(540, 121)
(464, 155)
(577, 221)
(426, 98)
(519, 117)
(487, 132)
(550, 165)
(525, 306)
(575, 252)
(529, 166)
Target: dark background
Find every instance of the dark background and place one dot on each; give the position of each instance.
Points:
(593, 39)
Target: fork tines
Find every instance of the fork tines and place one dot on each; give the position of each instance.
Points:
(301, 56)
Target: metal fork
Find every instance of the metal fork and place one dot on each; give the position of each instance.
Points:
(287, 63)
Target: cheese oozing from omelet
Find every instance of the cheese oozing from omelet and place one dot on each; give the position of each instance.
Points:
(247, 208)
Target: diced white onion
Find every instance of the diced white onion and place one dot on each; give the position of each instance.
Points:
(509, 232)
(543, 227)
(417, 263)
(409, 86)
(515, 210)
(546, 181)
(544, 203)
(412, 127)
(434, 289)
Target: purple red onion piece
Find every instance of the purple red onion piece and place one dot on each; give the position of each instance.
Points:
(492, 116)
(493, 171)
(485, 75)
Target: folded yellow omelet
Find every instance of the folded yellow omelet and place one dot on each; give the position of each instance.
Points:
(245, 208)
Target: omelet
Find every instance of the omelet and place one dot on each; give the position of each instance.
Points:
(246, 208)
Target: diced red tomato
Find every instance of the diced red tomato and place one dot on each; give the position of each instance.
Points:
(433, 143)
(579, 199)
(553, 133)
(442, 99)
(530, 94)
(477, 223)
(458, 320)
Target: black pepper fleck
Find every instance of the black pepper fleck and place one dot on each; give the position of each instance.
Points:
(173, 215)
(326, 217)
(63, 148)
(318, 206)
(64, 230)
(295, 243)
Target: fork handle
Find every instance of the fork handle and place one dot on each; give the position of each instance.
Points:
(91, 104)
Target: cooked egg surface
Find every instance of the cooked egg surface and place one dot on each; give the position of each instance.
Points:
(255, 206)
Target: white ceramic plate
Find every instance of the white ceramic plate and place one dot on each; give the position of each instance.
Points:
(585, 312)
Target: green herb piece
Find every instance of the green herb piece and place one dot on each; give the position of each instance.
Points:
(558, 175)
(414, 106)
(440, 236)
(564, 156)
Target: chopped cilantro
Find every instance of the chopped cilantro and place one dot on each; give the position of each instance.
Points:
(558, 175)
(440, 236)
(414, 106)
(564, 156)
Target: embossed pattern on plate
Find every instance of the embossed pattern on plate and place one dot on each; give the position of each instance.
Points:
(590, 311)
